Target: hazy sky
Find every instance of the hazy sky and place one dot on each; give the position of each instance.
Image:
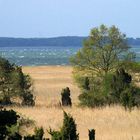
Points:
(49, 18)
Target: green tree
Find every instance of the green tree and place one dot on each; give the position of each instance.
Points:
(14, 83)
(99, 68)
(102, 52)
(68, 130)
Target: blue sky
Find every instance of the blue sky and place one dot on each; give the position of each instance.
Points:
(49, 18)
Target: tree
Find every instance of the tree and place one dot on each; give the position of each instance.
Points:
(103, 51)
(68, 130)
(66, 100)
(100, 69)
(14, 83)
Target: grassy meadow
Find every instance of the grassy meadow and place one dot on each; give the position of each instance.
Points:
(110, 123)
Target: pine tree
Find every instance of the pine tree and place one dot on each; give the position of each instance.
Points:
(69, 130)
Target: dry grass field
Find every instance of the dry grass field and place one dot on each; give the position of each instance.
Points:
(111, 123)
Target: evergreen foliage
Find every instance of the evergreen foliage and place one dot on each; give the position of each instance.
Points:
(120, 81)
(68, 130)
(65, 97)
(91, 134)
(13, 83)
(7, 119)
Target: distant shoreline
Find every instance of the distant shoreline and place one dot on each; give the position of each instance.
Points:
(54, 41)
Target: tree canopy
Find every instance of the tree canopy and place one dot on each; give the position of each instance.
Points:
(14, 83)
(102, 52)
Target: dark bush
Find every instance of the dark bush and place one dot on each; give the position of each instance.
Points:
(65, 97)
(120, 81)
(110, 89)
(28, 99)
(91, 134)
(7, 119)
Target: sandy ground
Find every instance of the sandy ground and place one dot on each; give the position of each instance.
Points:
(110, 123)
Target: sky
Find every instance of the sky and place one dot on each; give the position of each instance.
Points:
(52, 18)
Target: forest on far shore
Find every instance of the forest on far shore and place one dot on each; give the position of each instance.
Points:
(55, 41)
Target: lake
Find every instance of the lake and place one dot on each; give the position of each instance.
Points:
(36, 56)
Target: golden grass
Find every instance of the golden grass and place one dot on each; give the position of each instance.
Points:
(111, 123)
(49, 81)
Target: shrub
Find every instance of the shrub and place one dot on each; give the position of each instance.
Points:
(68, 130)
(127, 98)
(120, 81)
(65, 97)
(91, 100)
(91, 134)
(7, 119)
(110, 89)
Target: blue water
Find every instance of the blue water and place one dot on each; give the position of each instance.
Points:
(35, 56)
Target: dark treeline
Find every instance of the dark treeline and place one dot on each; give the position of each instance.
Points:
(56, 41)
